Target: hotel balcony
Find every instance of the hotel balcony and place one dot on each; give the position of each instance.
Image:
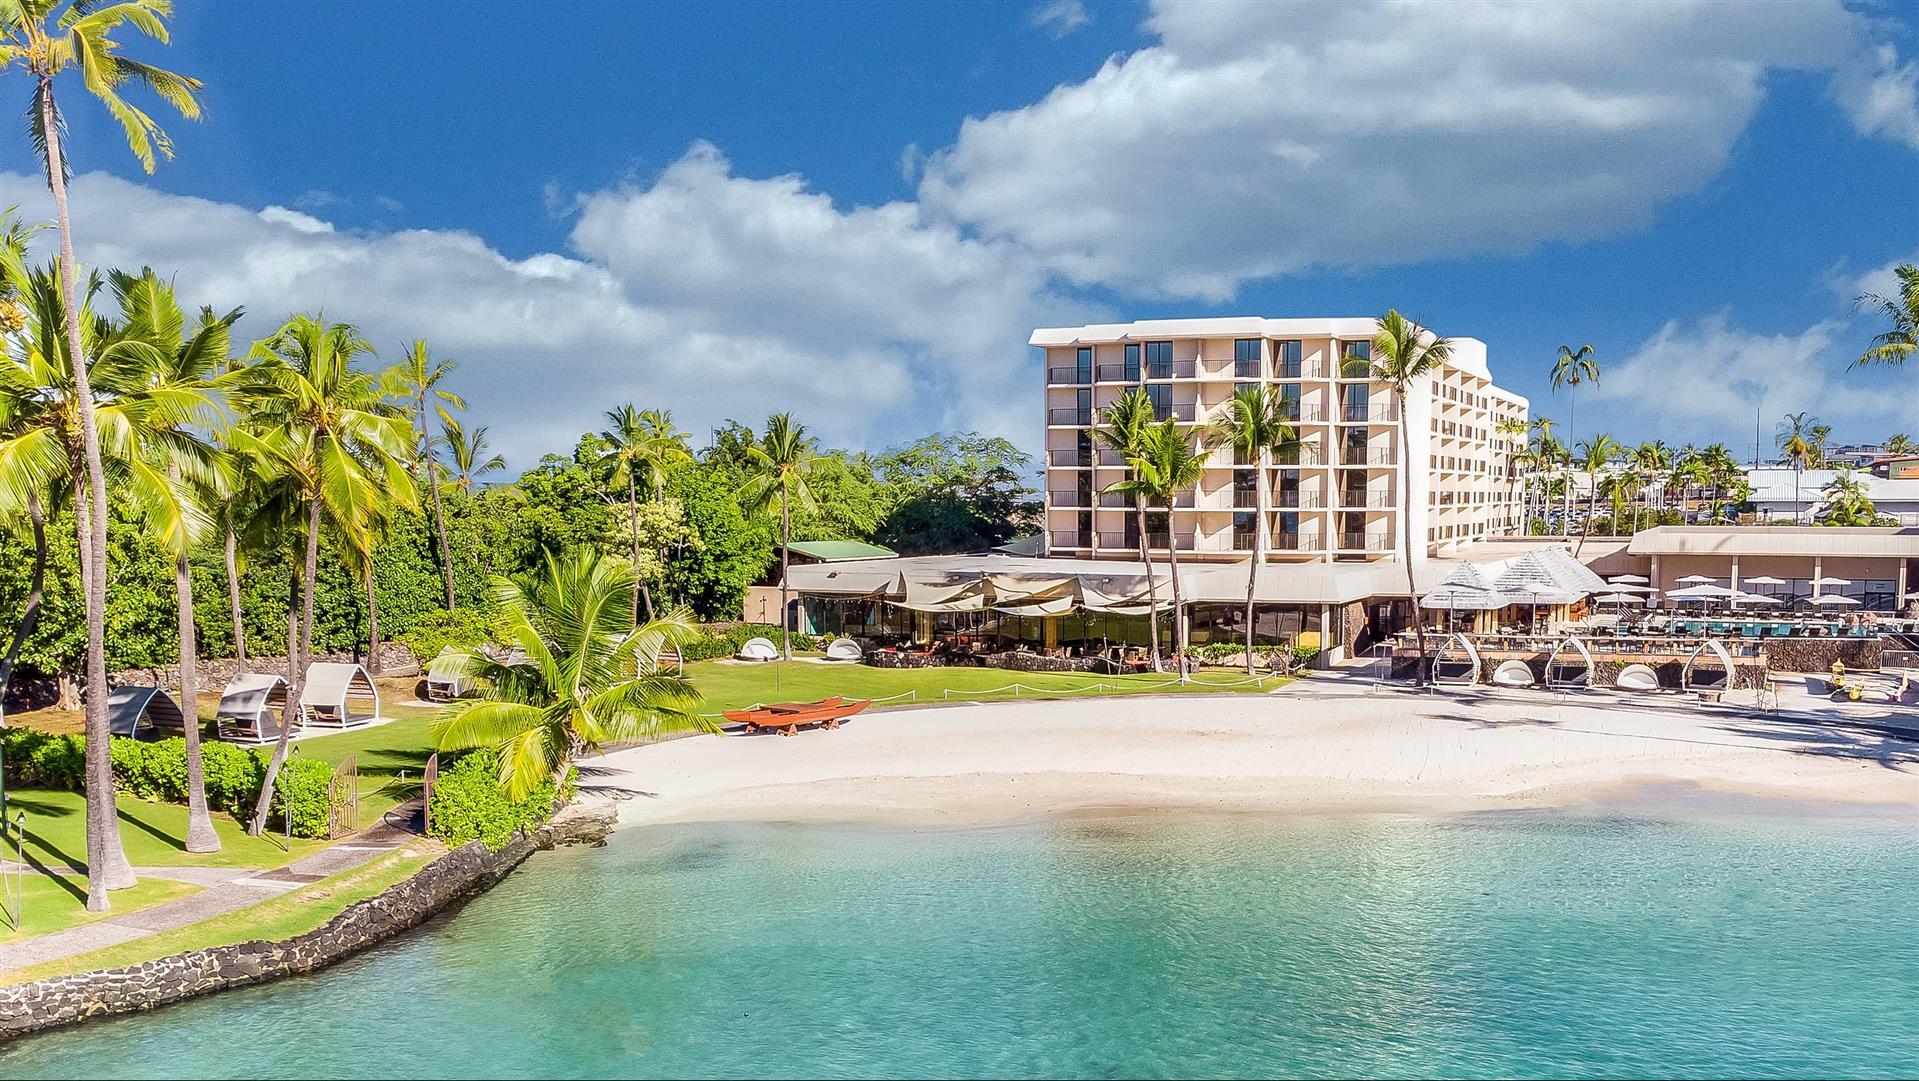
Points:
(1068, 498)
(1366, 500)
(1299, 370)
(1297, 542)
(1353, 456)
(1371, 413)
(1188, 542)
(1068, 458)
(1181, 411)
(1070, 538)
(1069, 415)
(1366, 542)
(1068, 376)
(1293, 499)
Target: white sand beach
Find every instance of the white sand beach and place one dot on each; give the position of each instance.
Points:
(977, 764)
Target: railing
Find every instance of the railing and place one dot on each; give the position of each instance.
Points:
(1367, 500)
(1118, 541)
(1175, 411)
(1069, 457)
(1068, 376)
(1156, 541)
(1365, 542)
(1115, 373)
(1289, 498)
(1110, 457)
(1069, 538)
(1067, 497)
(1302, 414)
(1375, 412)
(1244, 498)
(1243, 541)
(1179, 369)
(1114, 501)
(1367, 456)
(1069, 415)
(1309, 454)
(1300, 370)
(1186, 498)
(1296, 542)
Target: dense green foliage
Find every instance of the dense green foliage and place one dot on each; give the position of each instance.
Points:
(158, 771)
(468, 803)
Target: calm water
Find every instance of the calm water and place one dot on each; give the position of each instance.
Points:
(1511, 944)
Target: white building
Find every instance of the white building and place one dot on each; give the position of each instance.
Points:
(1338, 499)
(1774, 496)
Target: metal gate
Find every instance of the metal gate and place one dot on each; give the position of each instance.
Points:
(343, 798)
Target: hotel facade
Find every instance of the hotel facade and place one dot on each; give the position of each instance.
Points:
(1337, 498)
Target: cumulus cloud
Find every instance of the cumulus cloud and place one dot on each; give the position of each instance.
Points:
(1258, 139)
(716, 295)
(1060, 17)
(1881, 95)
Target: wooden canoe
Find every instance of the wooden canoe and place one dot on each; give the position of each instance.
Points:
(789, 717)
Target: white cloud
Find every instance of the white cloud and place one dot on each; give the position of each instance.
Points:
(1258, 139)
(1881, 96)
(1060, 17)
(714, 295)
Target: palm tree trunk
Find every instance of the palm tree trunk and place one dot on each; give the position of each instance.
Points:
(1152, 588)
(640, 594)
(30, 614)
(107, 867)
(1179, 605)
(264, 804)
(786, 538)
(299, 664)
(233, 597)
(1259, 533)
(200, 833)
(310, 583)
(1406, 539)
(372, 623)
(439, 513)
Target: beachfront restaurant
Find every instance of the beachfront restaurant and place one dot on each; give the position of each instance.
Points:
(1798, 568)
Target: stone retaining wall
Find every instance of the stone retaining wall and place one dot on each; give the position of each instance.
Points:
(36, 691)
(460, 874)
(1817, 654)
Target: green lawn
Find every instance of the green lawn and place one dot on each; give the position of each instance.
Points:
(56, 902)
(154, 834)
(294, 913)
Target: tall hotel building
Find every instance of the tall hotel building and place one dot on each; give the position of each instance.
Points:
(1337, 499)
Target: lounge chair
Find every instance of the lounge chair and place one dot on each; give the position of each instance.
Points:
(759, 649)
(1513, 674)
(843, 649)
(1637, 677)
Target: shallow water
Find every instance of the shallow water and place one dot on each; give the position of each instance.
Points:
(1516, 943)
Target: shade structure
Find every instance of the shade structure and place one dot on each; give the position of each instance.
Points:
(132, 711)
(1628, 587)
(1619, 598)
(1630, 579)
(1832, 600)
(1763, 580)
(1697, 579)
(1829, 581)
(1757, 598)
(1702, 593)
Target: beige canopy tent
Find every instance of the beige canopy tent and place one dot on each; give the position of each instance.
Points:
(338, 696)
(137, 711)
(251, 708)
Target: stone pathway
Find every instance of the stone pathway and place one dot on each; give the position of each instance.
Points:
(225, 889)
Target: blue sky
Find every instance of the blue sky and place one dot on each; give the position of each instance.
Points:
(731, 208)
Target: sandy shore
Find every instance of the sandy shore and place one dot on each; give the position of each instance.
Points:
(977, 764)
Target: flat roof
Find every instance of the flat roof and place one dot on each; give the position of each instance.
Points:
(836, 551)
(1777, 540)
(1469, 354)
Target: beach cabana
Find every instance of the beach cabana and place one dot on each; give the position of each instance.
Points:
(843, 649)
(446, 676)
(759, 649)
(1513, 673)
(1708, 669)
(1457, 663)
(251, 708)
(1570, 664)
(1637, 677)
(339, 696)
(136, 711)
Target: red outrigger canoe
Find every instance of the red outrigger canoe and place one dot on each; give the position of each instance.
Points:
(788, 717)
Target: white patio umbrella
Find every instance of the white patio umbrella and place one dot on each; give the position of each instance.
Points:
(1628, 587)
(1630, 579)
(1697, 579)
(1758, 598)
(1764, 580)
(1832, 599)
(1619, 598)
(1702, 594)
(1832, 581)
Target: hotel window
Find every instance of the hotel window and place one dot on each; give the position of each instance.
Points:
(1084, 364)
(1243, 529)
(1161, 395)
(1246, 358)
(1132, 363)
(1355, 400)
(1286, 359)
(1355, 360)
(1245, 488)
(1159, 360)
(1289, 401)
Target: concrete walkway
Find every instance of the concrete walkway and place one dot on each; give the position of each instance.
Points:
(225, 889)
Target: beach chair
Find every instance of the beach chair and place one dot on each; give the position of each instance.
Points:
(1637, 677)
(1513, 674)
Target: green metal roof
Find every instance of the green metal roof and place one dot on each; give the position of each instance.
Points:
(834, 551)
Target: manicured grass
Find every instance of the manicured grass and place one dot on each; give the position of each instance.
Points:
(301, 910)
(154, 834)
(56, 902)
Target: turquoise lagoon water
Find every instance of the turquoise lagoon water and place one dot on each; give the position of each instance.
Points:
(1520, 944)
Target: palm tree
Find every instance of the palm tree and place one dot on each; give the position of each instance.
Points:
(468, 451)
(779, 466)
(1404, 354)
(1847, 503)
(644, 445)
(46, 38)
(1896, 344)
(1512, 431)
(1255, 424)
(1821, 435)
(1571, 368)
(1595, 454)
(1899, 443)
(1123, 429)
(590, 676)
(418, 377)
(14, 284)
(1794, 437)
(181, 382)
(323, 426)
(1169, 464)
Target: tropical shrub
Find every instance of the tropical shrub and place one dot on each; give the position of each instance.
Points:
(462, 628)
(468, 803)
(724, 640)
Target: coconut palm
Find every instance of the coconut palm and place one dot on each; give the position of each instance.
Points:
(47, 38)
(1794, 437)
(181, 376)
(323, 426)
(470, 463)
(644, 444)
(1255, 425)
(778, 467)
(1406, 354)
(417, 378)
(590, 677)
(1595, 455)
(1847, 502)
(1896, 344)
(1168, 464)
(1899, 443)
(1122, 429)
(1571, 368)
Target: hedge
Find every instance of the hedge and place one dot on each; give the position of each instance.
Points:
(725, 640)
(469, 803)
(158, 772)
